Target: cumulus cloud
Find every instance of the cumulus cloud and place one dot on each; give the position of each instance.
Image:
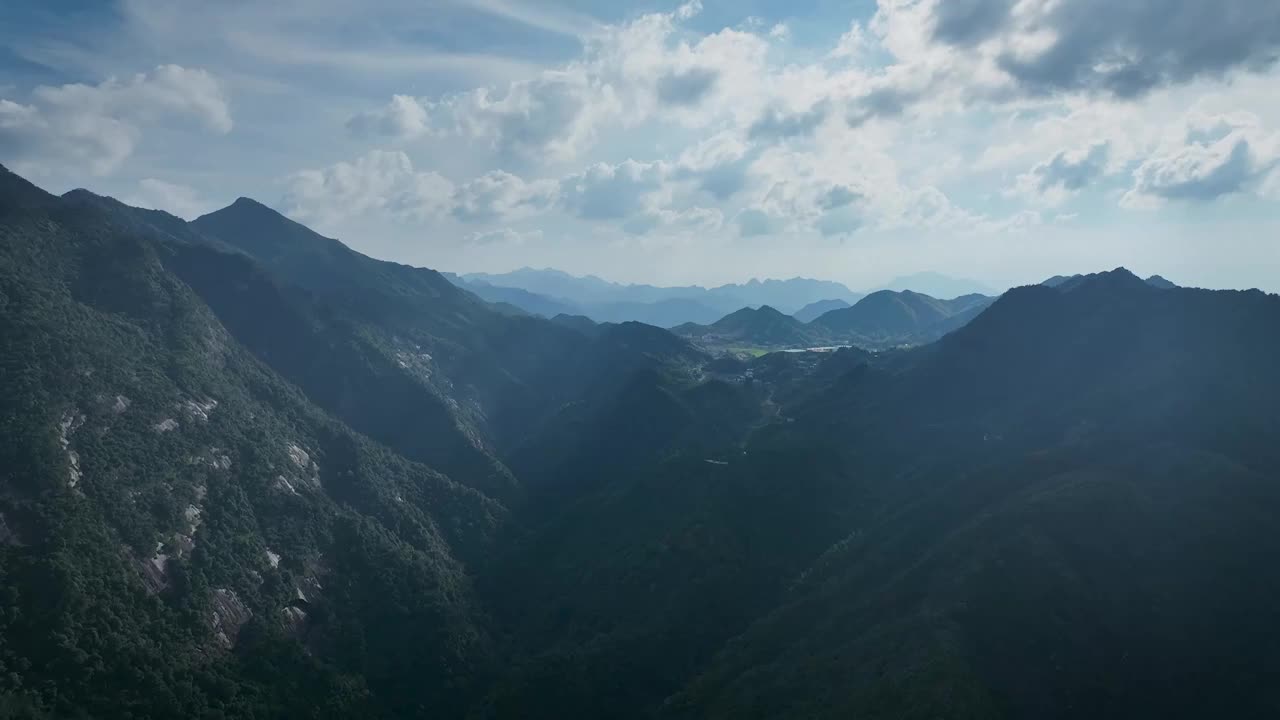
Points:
(627, 74)
(718, 165)
(881, 100)
(966, 51)
(379, 181)
(500, 195)
(838, 196)
(403, 117)
(777, 123)
(844, 186)
(556, 115)
(1220, 155)
(689, 9)
(856, 138)
(852, 44)
(98, 126)
(686, 87)
(642, 198)
(386, 183)
(1067, 172)
(967, 22)
(1127, 49)
(611, 192)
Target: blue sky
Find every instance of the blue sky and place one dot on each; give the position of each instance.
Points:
(668, 142)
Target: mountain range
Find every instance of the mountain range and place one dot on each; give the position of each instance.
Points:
(551, 292)
(883, 319)
(938, 285)
(248, 472)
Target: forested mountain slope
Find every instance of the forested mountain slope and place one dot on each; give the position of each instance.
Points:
(888, 318)
(1075, 497)
(759, 327)
(187, 535)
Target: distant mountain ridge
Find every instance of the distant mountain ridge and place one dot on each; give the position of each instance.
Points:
(758, 327)
(606, 301)
(938, 285)
(549, 292)
(887, 316)
(814, 310)
(880, 320)
(1066, 281)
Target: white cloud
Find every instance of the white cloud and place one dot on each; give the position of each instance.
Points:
(950, 53)
(777, 123)
(689, 9)
(1218, 155)
(499, 195)
(843, 182)
(718, 166)
(935, 126)
(99, 126)
(379, 181)
(648, 68)
(612, 192)
(403, 117)
(1067, 172)
(852, 44)
(556, 115)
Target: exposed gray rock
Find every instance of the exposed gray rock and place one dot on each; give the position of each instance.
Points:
(282, 483)
(294, 619)
(299, 456)
(309, 467)
(197, 410)
(71, 421)
(219, 460)
(154, 570)
(228, 616)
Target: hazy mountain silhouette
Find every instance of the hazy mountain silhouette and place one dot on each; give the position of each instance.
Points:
(762, 327)
(893, 318)
(605, 301)
(814, 310)
(938, 285)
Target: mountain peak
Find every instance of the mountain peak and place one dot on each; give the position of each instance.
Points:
(1118, 279)
(750, 314)
(80, 194)
(247, 220)
(246, 206)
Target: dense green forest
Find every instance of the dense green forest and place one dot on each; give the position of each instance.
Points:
(246, 472)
